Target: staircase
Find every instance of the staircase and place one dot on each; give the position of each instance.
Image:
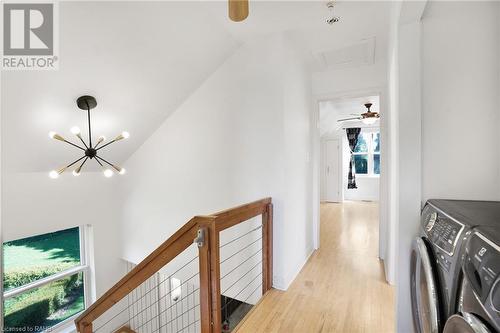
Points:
(204, 278)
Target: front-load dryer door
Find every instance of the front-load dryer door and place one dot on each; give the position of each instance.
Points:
(424, 293)
(467, 323)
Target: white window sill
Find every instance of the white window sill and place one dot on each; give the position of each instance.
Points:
(367, 176)
(69, 329)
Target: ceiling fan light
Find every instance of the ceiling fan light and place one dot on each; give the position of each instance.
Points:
(108, 173)
(369, 121)
(75, 130)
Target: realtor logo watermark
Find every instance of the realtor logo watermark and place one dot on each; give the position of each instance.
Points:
(29, 36)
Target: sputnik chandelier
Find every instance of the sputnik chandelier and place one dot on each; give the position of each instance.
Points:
(90, 151)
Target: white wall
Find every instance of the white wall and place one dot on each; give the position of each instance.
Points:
(409, 163)
(450, 124)
(243, 135)
(32, 204)
(461, 87)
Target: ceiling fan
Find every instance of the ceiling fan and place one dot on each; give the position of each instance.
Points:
(368, 117)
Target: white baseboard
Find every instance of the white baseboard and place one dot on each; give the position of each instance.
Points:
(283, 284)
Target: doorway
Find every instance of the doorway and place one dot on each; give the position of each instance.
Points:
(336, 117)
(371, 178)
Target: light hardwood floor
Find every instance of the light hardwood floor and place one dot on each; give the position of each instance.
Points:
(342, 287)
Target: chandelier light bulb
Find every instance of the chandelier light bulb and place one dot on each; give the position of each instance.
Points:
(54, 135)
(76, 173)
(101, 139)
(108, 173)
(54, 174)
(122, 171)
(75, 130)
(125, 134)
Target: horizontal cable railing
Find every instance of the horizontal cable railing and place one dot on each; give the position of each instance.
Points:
(184, 287)
(241, 268)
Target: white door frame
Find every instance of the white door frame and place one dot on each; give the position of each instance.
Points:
(316, 162)
(324, 153)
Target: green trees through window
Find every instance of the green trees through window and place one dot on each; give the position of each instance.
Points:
(52, 264)
(367, 154)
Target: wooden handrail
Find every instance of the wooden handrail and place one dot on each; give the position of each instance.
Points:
(209, 263)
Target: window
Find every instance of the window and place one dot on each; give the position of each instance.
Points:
(367, 154)
(45, 280)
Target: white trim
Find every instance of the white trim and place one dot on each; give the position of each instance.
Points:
(295, 274)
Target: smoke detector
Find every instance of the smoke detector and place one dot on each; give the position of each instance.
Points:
(331, 18)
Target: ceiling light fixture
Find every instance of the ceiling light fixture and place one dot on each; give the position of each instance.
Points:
(90, 151)
(331, 18)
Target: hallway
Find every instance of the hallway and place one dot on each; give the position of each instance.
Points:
(342, 287)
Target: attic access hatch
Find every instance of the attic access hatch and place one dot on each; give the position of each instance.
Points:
(354, 55)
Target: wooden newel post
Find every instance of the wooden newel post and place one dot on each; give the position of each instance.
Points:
(205, 295)
(267, 248)
(215, 277)
(210, 303)
(85, 328)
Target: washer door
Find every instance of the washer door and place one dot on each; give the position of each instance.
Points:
(424, 293)
(467, 323)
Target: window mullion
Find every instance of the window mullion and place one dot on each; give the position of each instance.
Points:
(42, 282)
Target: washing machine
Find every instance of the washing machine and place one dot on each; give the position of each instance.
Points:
(479, 301)
(437, 257)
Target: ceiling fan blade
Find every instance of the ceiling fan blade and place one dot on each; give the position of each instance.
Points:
(238, 10)
(345, 119)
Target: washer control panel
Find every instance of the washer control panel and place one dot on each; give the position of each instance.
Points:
(442, 230)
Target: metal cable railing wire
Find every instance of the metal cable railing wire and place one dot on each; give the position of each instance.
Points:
(148, 292)
(240, 237)
(234, 297)
(242, 249)
(169, 293)
(241, 277)
(232, 270)
(170, 307)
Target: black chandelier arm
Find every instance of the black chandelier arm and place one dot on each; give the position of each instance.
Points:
(81, 165)
(107, 144)
(81, 139)
(97, 160)
(90, 132)
(102, 159)
(74, 145)
(78, 160)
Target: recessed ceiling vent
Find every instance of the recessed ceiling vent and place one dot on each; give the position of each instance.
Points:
(354, 55)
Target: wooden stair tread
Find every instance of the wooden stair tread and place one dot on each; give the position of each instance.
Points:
(125, 329)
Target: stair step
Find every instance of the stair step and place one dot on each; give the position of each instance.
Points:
(125, 329)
